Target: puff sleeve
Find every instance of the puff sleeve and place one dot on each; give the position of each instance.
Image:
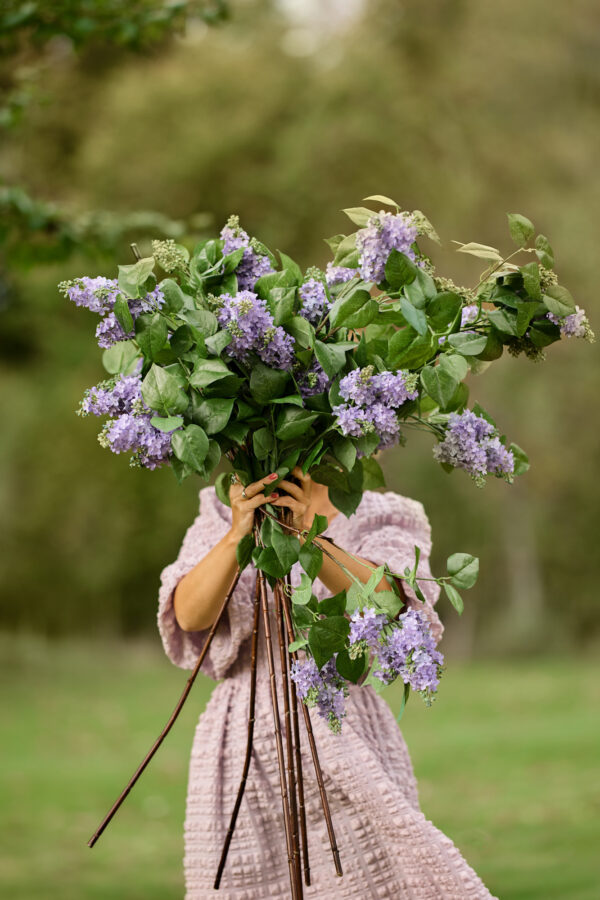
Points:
(391, 527)
(183, 647)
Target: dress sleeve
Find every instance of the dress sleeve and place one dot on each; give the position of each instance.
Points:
(393, 525)
(183, 647)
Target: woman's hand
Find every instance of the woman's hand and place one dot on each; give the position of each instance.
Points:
(242, 508)
(299, 498)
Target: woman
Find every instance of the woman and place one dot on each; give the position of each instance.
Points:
(388, 848)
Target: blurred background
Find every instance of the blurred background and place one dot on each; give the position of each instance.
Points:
(125, 122)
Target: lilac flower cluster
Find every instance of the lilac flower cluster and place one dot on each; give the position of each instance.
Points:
(366, 626)
(385, 232)
(575, 325)
(253, 264)
(313, 380)
(338, 274)
(99, 295)
(251, 327)
(472, 443)
(468, 314)
(323, 688)
(315, 302)
(410, 652)
(130, 429)
(373, 401)
(113, 397)
(131, 433)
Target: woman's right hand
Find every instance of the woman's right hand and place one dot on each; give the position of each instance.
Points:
(242, 508)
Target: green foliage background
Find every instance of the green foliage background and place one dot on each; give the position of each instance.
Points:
(461, 109)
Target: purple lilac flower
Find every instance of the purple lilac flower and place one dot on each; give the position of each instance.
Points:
(372, 403)
(251, 327)
(97, 294)
(313, 381)
(468, 314)
(151, 448)
(472, 443)
(385, 232)
(113, 396)
(323, 688)
(314, 300)
(575, 325)
(365, 629)
(338, 274)
(109, 330)
(253, 264)
(410, 652)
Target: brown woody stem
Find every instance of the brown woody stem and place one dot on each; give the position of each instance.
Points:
(172, 718)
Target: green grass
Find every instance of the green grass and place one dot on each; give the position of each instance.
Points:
(506, 761)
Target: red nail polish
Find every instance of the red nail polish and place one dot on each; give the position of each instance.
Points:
(274, 495)
(273, 476)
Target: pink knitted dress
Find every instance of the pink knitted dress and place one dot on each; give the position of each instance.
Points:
(388, 848)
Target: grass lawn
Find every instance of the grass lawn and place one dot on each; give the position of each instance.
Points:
(507, 762)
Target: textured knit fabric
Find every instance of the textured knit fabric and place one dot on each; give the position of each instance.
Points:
(388, 848)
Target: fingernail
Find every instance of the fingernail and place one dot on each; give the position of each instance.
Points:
(274, 495)
(273, 476)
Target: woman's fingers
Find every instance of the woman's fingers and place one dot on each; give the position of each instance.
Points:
(259, 499)
(294, 489)
(290, 503)
(257, 487)
(299, 474)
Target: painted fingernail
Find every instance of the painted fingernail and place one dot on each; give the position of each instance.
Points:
(274, 495)
(273, 476)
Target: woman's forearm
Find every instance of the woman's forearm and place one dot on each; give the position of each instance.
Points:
(200, 593)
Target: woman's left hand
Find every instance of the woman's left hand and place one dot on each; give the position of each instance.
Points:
(299, 497)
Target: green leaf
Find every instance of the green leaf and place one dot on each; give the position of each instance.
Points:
(293, 273)
(332, 357)
(175, 299)
(292, 423)
(151, 334)
(121, 357)
(302, 594)
(415, 317)
(213, 414)
(373, 477)
(302, 331)
(333, 606)
(464, 569)
(267, 383)
(521, 459)
(344, 451)
(388, 602)
(212, 460)
(347, 306)
(559, 301)
(443, 310)
(181, 339)
(544, 251)
(455, 365)
(439, 383)
(525, 312)
(467, 344)
(132, 277)
(326, 637)
(162, 392)
(287, 548)
(311, 560)
(351, 669)
(454, 597)
(207, 371)
(399, 270)
(408, 349)
(170, 423)
(222, 488)
(217, 342)
(504, 320)
(346, 253)
(123, 314)
(481, 251)
(346, 501)
(318, 526)
(267, 561)
(262, 443)
(531, 280)
(405, 696)
(281, 302)
(380, 198)
(360, 215)
(521, 229)
(243, 551)
(190, 445)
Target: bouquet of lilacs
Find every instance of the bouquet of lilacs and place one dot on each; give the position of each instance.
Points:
(232, 353)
